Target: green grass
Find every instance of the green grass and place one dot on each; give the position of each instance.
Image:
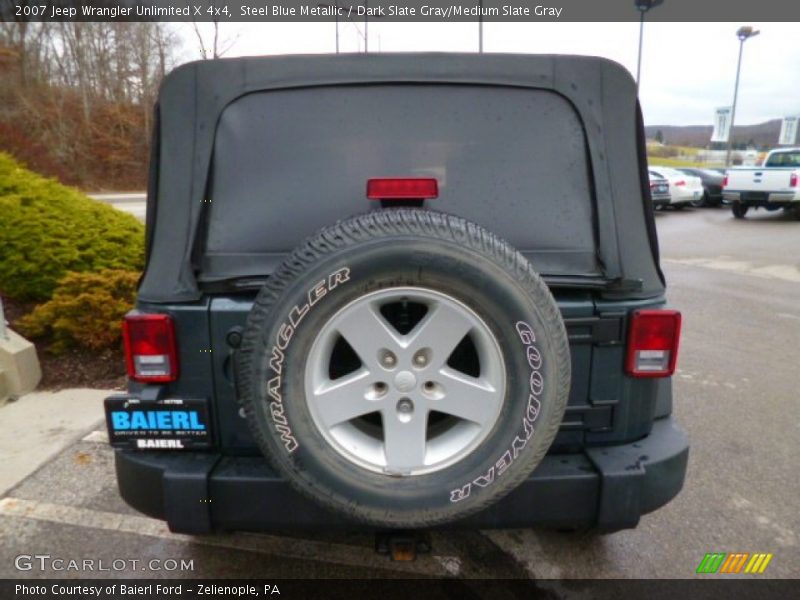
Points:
(687, 150)
(671, 162)
(680, 162)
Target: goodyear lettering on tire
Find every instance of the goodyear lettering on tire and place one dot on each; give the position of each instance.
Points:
(536, 387)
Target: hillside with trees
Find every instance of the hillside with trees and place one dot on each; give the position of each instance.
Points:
(76, 98)
(762, 135)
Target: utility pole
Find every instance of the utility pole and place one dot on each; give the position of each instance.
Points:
(336, 9)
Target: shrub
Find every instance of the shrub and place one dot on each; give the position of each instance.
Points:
(85, 312)
(48, 230)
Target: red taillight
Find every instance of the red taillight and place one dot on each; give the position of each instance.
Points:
(725, 180)
(409, 188)
(150, 350)
(793, 180)
(653, 343)
(679, 183)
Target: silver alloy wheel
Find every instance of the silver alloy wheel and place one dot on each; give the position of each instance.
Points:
(425, 394)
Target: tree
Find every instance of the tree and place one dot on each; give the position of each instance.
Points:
(660, 136)
(76, 98)
(210, 43)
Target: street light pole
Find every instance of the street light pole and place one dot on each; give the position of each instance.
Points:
(642, 6)
(480, 26)
(743, 34)
(641, 37)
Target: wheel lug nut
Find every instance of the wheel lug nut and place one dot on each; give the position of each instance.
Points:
(405, 406)
(388, 360)
(420, 360)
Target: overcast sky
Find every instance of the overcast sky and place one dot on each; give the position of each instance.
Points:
(688, 69)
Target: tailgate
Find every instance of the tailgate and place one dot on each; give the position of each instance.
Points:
(759, 180)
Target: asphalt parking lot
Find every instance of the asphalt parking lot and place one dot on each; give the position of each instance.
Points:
(736, 392)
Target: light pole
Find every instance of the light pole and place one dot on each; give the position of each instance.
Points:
(743, 34)
(642, 6)
(480, 26)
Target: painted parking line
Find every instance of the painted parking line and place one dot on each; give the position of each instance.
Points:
(785, 272)
(98, 437)
(302, 549)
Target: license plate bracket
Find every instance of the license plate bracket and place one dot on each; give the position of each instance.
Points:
(754, 197)
(169, 424)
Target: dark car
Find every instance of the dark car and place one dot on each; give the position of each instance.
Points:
(399, 291)
(712, 185)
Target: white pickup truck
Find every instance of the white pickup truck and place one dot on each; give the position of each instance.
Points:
(774, 185)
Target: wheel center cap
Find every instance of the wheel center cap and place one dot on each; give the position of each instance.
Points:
(405, 381)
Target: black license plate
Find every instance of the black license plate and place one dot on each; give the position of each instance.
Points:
(754, 196)
(169, 424)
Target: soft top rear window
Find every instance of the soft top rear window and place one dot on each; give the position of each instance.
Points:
(289, 162)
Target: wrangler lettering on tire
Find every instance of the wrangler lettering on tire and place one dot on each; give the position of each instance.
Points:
(428, 387)
(283, 338)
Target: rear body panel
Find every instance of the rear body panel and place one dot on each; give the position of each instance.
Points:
(618, 454)
(604, 406)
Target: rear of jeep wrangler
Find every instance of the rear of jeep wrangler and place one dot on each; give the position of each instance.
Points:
(399, 291)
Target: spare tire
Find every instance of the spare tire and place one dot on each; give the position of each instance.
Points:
(405, 368)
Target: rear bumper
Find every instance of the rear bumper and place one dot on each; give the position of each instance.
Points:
(607, 487)
(661, 201)
(686, 196)
(766, 199)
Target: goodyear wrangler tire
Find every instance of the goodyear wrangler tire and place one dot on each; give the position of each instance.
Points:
(404, 368)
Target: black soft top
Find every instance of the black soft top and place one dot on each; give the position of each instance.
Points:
(194, 96)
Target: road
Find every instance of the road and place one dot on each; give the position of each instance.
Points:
(132, 202)
(736, 392)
